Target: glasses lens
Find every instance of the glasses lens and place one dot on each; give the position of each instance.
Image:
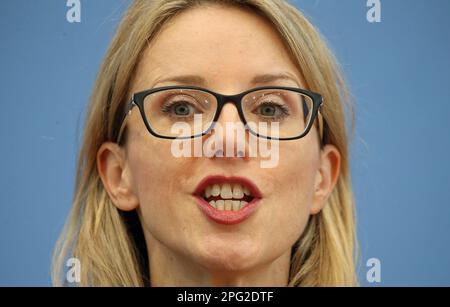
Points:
(180, 112)
(277, 113)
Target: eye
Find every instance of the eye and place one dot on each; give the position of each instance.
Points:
(180, 108)
(270, 109)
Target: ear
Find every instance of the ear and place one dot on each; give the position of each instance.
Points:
(326, 177)
(116, 177)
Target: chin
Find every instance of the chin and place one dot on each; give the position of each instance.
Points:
(229, 256)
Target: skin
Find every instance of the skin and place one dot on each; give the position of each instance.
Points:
(185, 247)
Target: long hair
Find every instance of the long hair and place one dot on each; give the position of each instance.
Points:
(109, 243)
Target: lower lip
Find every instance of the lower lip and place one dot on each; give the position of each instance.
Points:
(227, 217)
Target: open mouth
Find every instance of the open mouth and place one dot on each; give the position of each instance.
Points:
(227, 200)
(227, 196)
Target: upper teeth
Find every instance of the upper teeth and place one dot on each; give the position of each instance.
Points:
(227, 191)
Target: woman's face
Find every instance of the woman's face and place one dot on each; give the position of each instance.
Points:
(227, 47)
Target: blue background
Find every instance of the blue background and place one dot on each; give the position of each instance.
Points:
(399, 73)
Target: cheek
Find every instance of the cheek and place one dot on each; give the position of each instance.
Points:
(157, 176)
(294, 190)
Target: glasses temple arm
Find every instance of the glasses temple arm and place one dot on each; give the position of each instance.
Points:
(320, 122)
(130, 106)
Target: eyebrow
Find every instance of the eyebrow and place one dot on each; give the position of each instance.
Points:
(259, 79)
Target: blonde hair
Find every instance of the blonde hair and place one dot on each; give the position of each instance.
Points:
(109, 242)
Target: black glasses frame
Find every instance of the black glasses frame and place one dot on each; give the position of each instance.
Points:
(139, 98)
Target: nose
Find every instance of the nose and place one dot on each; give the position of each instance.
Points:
(229, 114)
(230, 132)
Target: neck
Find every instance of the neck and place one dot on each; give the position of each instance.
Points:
(168, 268)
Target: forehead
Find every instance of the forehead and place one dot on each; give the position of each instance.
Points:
(219, 44)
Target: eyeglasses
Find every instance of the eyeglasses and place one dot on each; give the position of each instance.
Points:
(291, 110)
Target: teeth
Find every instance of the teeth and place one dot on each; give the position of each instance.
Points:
(237, 191)
(236, 205)
(231, 196)
(208, 191)
(246, 191)
(215, 191)
(228, 205)
(226, 193)
(220, 204)
(243, 204)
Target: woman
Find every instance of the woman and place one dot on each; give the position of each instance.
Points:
(144, 216)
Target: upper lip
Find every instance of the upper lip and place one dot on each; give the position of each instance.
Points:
(209, 180)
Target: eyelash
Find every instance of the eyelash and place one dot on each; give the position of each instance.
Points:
(284, 109)
(167, 107)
